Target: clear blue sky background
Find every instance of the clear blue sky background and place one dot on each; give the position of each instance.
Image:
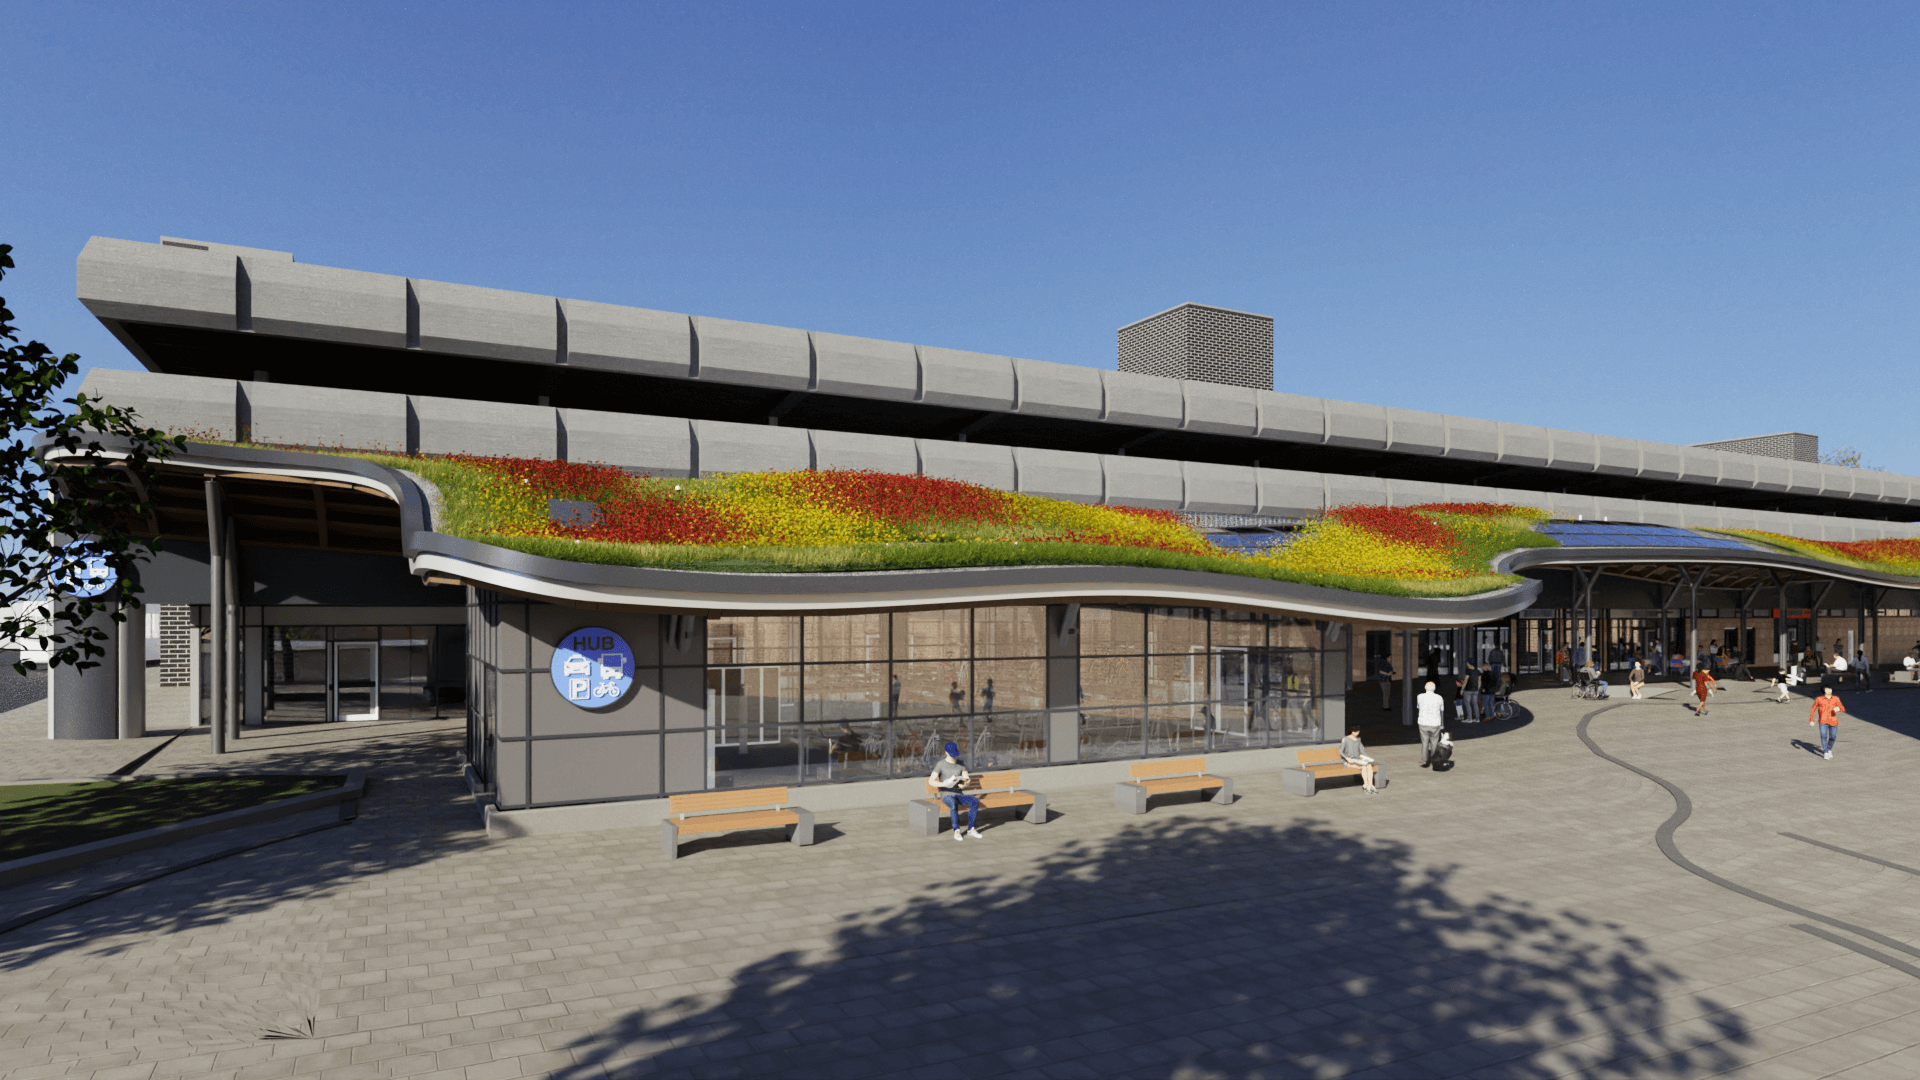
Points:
(1668, 221)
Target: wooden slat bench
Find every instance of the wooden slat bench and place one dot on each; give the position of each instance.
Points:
(731, 811)
(1314, 764)
(994, 790)
(1150, 778)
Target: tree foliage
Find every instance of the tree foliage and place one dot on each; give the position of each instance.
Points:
(66, 500)
(1848, 458)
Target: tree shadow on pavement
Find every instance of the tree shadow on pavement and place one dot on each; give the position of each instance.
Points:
(416, 811)
(1196, 948)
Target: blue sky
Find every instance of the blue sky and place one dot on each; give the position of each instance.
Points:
(1667, 221)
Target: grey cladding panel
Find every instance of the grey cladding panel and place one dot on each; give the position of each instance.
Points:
(1142, 400)
(976, 463)
(1524, 444)
(1620, 457)
(1659, 461)
(1219, 410)
(449, 426)
(1699, 466)
(1771, 474)
(1415, 432)
(586, 770)
(1155, 483)
(608, 337)
(1416, 492)
(881, 453)
(1285, 493)
(638, 710)
(722, 447)
(1062, 391)
(1220, 489)
(655, 445)
(1805, 478)
(1059, 474)
(753, 354)
(326, 304)
(1356, 491)
(1736, 470)
(282, 414)
(494, 323)
(1351, 424)
(865, 367)
(1473, 440)
(122, 279)
(1572, 450)
(1290, 417)
(179, 404)
(966, 380)
(1841, 482)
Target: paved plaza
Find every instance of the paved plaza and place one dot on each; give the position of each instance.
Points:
(1513, 917)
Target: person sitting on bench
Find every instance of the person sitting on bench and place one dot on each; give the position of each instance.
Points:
(950, 778)
(1354, 753)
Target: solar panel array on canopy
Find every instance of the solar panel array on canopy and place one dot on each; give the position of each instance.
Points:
(1248, 540)
(1634, 534)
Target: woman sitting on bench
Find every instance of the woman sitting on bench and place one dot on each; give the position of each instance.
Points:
(1354, 753)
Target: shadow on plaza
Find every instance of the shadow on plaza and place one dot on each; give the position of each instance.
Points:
(416, 811)
(1212, 948)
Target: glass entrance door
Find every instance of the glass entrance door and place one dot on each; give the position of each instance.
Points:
(354, 680)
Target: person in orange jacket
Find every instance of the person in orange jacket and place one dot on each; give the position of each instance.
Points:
(1703, 684)
(1826, 716)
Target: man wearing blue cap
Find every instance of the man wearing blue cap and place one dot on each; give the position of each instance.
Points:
(950, 778)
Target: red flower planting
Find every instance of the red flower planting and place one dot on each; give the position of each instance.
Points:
(1478, 509)
(1397, 523)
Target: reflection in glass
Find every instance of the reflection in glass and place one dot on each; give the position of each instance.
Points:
(838, 638)
(1112, 631)
(1009, 631)
(1110, 733)
(296, 673)
(931, 635)
(764, 639)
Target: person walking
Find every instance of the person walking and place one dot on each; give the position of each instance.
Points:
(1383, 674)
(1636, 680)
(1470, 695)
(1825, 718)
(1703, 684)
(1432, 715)
(1489, 689)
(1862, 671)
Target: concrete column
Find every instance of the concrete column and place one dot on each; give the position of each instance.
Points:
(1063, 682)
(254, 652)
(133, 676)
(85, 704)
(1409, 680)
(195, 677)
(216, 621)
(231, 595)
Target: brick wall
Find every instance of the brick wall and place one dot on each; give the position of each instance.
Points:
(177, 639)
(1193, 341)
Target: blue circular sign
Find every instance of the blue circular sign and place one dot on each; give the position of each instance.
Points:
(90, 576)
(592, 667)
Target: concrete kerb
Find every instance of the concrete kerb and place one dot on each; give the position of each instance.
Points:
(649, 813)
(347, 796)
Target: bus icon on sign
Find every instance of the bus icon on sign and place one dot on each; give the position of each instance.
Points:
(612, 665)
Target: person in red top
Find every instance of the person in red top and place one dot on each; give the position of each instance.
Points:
(1703, 684)
(1826, 716)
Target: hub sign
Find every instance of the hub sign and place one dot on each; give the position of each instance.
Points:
(592, 667)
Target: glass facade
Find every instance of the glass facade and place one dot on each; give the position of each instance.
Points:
(795, 700)
(314, 674)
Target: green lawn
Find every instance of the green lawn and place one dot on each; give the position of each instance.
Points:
(36, 818)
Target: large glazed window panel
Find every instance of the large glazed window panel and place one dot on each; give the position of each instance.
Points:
(1010, 685)
(1107, 681)
(1179, 678)
(773, 761)
(932, 635)
(750, 705)
(839, 692)
(1009, 631)
(933, 688)
(848, 750)
(918, 742)
(766, 639)
(1106, 734)
(1238, 628)
(1293, 634)
(1176, 630)
(1009, 740)
(1112, 631)
(836, 638)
